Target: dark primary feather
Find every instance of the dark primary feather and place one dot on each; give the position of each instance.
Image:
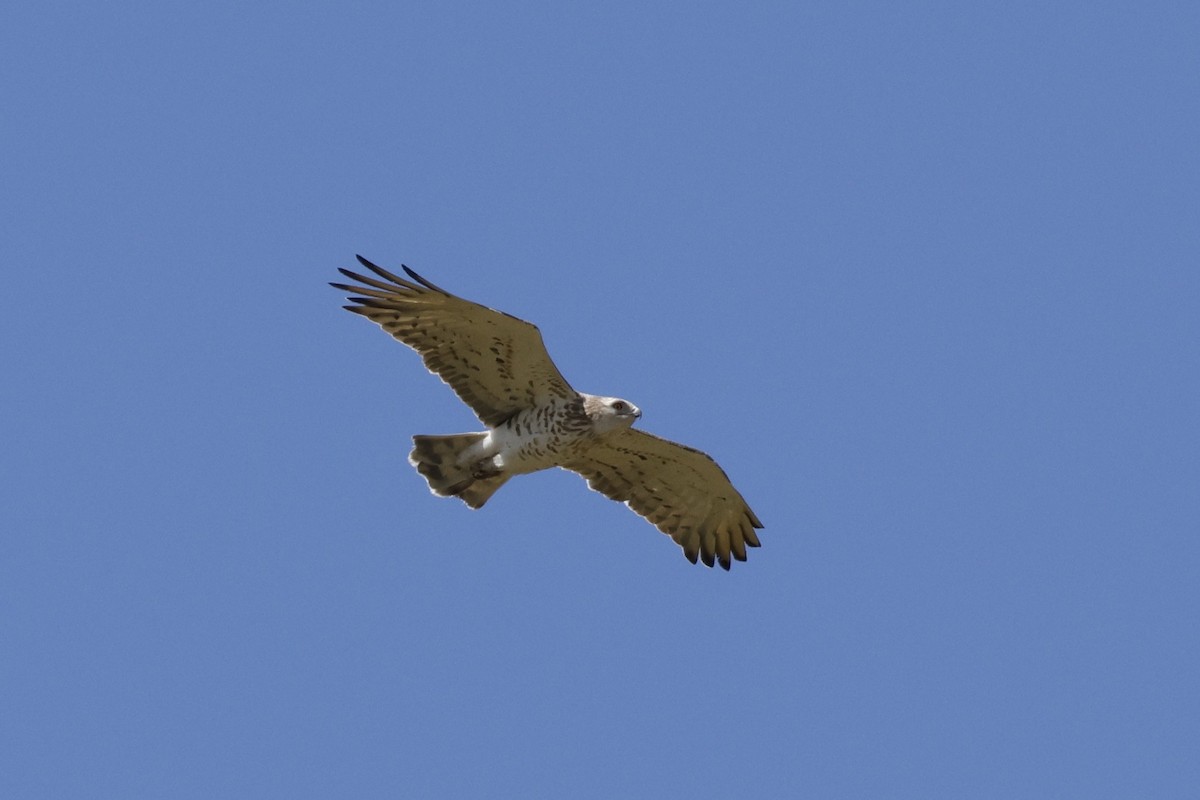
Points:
(410, 274)
(494, 361)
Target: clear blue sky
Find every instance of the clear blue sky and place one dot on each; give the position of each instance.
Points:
(924, 278)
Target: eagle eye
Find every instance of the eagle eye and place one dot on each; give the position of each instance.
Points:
(618, 406)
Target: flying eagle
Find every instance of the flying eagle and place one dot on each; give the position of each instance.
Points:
(498, 365)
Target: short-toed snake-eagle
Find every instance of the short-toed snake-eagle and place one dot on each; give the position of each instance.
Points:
(499, 366)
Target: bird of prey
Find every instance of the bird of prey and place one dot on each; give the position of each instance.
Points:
(498, 365)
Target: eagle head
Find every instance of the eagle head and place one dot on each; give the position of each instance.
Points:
(610, 413)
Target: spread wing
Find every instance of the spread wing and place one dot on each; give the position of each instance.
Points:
(679, 489)
(495, 362)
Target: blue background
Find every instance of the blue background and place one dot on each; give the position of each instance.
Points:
(923, 277)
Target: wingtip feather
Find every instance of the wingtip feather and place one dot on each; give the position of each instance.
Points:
(383, 273)
(422, 281)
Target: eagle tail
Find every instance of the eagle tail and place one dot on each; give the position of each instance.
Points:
(481, 489)
(450, 469)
